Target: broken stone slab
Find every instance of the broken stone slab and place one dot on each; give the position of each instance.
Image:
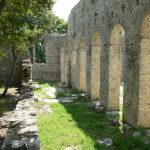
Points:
(112, 113)
(83, 97)
(106, 142)
(49, 100)
(66, 101)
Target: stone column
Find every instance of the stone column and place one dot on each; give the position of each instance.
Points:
(26, 87)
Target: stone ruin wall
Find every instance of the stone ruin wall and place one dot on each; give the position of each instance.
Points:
(50, 70)
(96, 30)
(89, 57)
(6, 65)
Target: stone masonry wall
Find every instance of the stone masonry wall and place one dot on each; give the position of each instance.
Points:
(6, 66)
(101, 16)
(41, 71)
(50, 70)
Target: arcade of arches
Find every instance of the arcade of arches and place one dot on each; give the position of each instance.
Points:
(111, 52)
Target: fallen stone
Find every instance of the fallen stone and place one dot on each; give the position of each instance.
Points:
(3, 133)
(112, 113)
(32, 113)
(106, 142)
(36, 87)
(66, 101)
(137, 134)
(127, 126)
(147, 132)
(28, 129)
(115, 122)
(97, 107)
(18, 144)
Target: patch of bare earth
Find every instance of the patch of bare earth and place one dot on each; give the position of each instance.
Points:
(7, 105)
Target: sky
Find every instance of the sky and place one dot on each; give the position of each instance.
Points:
(62, 8)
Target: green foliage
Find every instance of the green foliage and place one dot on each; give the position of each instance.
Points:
(21, 22)
(58, 26)
(2, 53)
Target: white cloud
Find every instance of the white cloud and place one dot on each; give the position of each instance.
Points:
(62, 8)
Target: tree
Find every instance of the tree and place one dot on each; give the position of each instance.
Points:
(21, 23)
(58, 26)
(2, 5)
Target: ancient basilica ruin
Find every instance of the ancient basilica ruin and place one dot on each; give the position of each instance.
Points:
(107, 45)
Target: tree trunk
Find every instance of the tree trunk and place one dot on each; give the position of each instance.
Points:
(11, 74)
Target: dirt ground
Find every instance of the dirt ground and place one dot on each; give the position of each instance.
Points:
(7, 105)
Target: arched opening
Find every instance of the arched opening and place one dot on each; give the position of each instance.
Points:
(82, 70)
(62, 65)
(144, 81)
(115, 95)
(73, 63)
(95, 66)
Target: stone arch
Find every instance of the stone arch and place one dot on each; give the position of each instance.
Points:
(144, 75)
(82, 69)
(95, 66)
(115, 66)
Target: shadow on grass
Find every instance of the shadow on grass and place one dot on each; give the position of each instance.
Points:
(97, 126)
(7, 104)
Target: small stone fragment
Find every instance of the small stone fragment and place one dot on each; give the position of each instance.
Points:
(36, 87)
(106, 142)
(127, 126)
(115, 122)
(137, 134)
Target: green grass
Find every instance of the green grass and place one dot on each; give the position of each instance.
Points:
(76, 125)
(74, 91)
(48, 84)
(60, 95)
(1, 89)
(41, 93)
